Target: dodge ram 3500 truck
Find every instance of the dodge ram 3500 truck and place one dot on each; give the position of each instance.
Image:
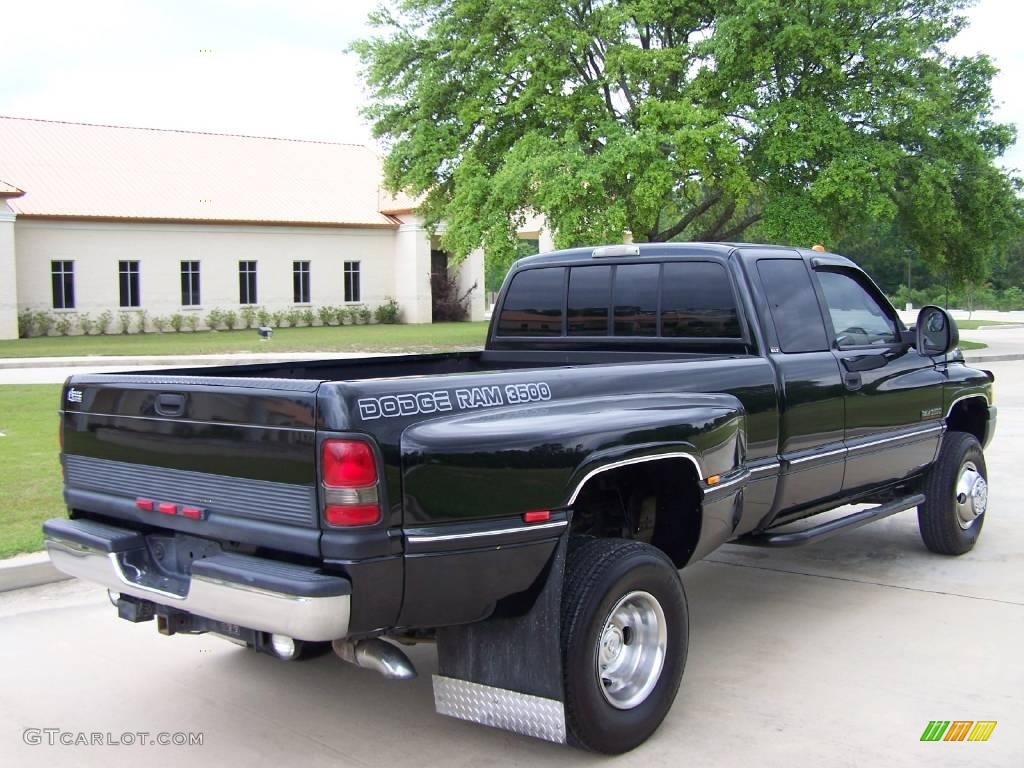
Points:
(527, 507)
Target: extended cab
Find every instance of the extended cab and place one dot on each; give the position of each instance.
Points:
(527, 506)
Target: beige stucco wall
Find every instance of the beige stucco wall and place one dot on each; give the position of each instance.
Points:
(8, 281)
(394, 263)
(536, 226)
(471, 271)
(96, 249)
(412, 270)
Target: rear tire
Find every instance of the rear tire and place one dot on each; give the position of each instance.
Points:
(956, 494)
(625, 631)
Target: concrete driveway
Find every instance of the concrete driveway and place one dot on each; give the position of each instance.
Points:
(835, 654)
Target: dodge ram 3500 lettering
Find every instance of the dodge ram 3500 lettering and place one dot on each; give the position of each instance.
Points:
(527, 507)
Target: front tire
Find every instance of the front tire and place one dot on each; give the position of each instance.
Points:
(956, 496)
(625, 631)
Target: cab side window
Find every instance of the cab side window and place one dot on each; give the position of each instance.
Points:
(793, 305)
(857, 316)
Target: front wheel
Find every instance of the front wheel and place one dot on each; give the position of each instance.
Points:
(956, 496)
(624, 639)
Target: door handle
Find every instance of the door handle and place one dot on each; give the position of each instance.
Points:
(170, 404)
(853, 380)
(865, 362)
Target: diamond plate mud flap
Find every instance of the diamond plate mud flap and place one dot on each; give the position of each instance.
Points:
(500, 708)
(506, 672)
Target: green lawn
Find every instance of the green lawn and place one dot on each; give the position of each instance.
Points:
(973, 325)
(30, 482)
(346, 338)
(965, 344)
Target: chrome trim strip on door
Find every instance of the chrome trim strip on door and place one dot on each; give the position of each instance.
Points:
(897, 438)
(815, 456)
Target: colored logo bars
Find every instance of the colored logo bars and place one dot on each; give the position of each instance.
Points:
(958, 730)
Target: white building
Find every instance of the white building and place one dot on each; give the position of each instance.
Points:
(100, 218)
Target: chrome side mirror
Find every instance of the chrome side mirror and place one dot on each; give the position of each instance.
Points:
(937, 333)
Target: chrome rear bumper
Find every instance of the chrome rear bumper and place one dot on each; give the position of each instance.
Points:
(251, 592)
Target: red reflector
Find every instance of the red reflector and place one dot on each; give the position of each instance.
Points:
(192, 513)
(347, 464)
(537, 516)
(146, 505)
(357, 514)
(166, 508)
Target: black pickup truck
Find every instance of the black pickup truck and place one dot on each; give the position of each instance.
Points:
(527, 507)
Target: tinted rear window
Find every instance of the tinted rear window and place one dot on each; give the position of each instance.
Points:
(533, 304)
(694, 298)
(793, 304)
(697, 301)
(589, 297)
(636, 300)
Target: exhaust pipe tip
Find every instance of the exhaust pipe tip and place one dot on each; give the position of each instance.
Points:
(376, 654)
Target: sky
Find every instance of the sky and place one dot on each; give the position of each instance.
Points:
(272, 67)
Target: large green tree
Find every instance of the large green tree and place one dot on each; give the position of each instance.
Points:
(793, 120)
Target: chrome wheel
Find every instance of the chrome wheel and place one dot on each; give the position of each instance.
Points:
(971, 495)
(631, 650)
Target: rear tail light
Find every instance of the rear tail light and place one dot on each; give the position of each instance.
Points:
(348, 469)
(362, 514)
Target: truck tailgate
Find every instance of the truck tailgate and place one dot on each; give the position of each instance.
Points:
(231, 459)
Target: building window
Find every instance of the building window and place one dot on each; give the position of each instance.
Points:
(247, 282)
(300, 282)
(128, 283)
(352, 281)
(62, 276)
(190, 284)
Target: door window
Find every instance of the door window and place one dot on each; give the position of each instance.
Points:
(794, 307)
(857, 316)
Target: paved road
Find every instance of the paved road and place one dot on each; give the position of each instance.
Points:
(836, 654)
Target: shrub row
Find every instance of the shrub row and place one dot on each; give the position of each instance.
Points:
(960, 297)
(42, 323)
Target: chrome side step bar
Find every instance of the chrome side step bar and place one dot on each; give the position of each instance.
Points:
(832, 527)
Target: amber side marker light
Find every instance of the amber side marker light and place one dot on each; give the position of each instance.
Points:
(713, 480)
